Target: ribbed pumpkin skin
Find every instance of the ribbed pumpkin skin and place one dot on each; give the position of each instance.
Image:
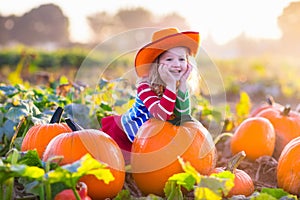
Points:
(243, 184)
(76, 144)
(38, 136)
(287, 127)
(255, 136)
(157, 146)
(288, 169)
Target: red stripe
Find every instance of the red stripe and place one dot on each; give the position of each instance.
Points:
(156, 109)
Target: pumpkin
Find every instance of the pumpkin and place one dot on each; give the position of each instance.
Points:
(72, 146)
(68, 194)
(39, 135)
(270, 103)
(255, 136)
(243, 184)
(288, 168)
(286, 124)
(155, 151)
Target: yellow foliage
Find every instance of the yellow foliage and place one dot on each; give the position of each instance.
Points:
(243, 107)
(124, 107)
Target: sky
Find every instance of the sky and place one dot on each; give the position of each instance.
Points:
(219, 19)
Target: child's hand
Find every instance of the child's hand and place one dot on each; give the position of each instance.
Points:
(183, 85)
(187, 73)
(167, 77)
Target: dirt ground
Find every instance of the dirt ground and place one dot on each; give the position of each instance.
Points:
(262, 171)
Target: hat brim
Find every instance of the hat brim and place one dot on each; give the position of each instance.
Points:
(147, 54)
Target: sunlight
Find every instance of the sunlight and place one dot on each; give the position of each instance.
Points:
(223, 20)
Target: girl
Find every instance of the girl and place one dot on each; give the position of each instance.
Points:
(163, 68)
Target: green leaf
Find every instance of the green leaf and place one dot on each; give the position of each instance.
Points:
(173, 191)
(205, 193)
(105, 106)
(277, 192)
(184, 179)
(16, 113)
(219, 186)
(30, 158)
(1, 119)
(9, 90)
(263, 196)
(70, 174)
(9, 128)
(123, 195)
(8, 171)
(227, 179)
(28, 171)
(188, 168)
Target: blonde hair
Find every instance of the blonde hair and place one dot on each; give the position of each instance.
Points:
(154, 77)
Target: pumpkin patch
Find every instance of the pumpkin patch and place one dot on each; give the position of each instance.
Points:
(159, 153)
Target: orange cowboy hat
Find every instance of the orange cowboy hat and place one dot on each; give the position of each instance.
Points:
(163, 40)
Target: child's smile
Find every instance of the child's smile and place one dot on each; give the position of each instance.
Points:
(176, 61)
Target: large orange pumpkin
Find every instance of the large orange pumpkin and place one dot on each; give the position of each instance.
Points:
(72, 146)
(155, 151)
(288, 168)
(286, 124)
(255, 136)
(243, 184)
(270, 103)
(39, 135)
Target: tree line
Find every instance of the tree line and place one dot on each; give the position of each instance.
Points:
(47, 24)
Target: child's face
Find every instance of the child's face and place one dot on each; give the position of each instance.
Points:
(175, 60)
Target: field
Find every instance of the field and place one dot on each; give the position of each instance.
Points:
(229, 91)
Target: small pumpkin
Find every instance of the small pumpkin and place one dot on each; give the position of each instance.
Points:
(68, 194)
(288, 168)
(155, 151)
(269, 103)
(255, 136)
(72, 146)
(39, 135)
(286, 124)
(243, 184)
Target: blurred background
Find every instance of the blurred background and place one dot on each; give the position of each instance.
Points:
(254, 44)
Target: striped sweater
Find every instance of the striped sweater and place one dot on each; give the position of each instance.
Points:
(148, 104)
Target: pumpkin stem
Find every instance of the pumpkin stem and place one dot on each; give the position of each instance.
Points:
(270, 100)
(177, 121)
(219, 137)
(286, 110)
(234, 162)
(73, 125)
(57, 115)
